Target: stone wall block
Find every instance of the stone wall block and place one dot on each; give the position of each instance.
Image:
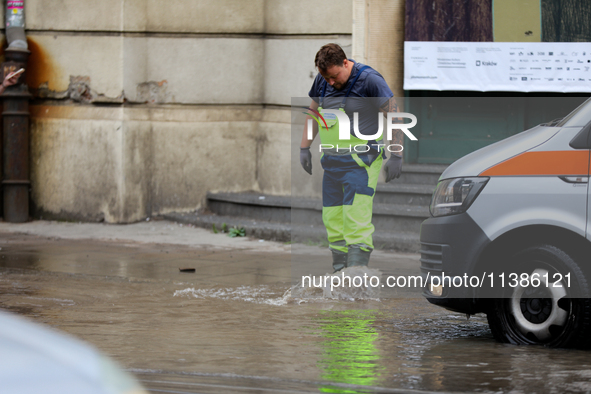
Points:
(75, 169)
(194, 70)
(308, 17)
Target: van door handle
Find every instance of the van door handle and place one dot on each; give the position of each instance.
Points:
(575, 179)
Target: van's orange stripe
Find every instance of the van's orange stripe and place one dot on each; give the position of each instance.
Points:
(574, 162)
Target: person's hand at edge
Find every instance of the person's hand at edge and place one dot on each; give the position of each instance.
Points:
(10, 80)
(393, 167)
(306, 160)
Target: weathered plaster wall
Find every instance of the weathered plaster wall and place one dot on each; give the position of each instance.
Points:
(76, 165)
(142, 106)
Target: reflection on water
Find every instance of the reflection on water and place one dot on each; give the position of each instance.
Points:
(179, 333)
(349, 350)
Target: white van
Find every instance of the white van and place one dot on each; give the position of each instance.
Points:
(509, 235)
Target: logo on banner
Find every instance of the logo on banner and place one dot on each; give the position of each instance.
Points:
(485, 63)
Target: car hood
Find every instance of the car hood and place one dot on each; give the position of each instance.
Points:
(37, 359)
(478, 161)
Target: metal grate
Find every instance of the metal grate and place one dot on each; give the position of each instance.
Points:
(431, 258)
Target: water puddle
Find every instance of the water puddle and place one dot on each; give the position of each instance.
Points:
(251, 329)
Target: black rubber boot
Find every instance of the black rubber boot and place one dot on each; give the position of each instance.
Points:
(357, 258)
(339, 260)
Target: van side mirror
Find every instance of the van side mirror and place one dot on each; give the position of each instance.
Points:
(583, 138)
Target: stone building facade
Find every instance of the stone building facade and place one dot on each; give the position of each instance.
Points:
(143, 106)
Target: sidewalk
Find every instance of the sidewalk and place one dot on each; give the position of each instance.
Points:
(160, 231)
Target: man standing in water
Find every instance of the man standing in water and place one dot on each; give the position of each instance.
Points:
(350, 175)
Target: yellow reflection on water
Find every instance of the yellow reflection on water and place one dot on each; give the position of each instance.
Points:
(350, 354)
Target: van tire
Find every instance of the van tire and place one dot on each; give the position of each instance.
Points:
(555, 318)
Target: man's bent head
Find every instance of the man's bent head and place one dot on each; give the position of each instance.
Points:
(333, 65)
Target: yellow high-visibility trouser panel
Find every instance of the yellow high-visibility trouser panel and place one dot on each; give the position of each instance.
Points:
(348, 190)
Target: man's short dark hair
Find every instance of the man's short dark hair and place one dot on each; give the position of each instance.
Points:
(329, 55)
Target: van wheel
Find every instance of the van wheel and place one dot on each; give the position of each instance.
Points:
(539, 314)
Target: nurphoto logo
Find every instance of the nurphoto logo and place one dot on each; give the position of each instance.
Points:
(344, 128)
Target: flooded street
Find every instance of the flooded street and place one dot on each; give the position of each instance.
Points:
(231, 327)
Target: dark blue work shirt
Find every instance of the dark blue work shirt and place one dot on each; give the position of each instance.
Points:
(369, 93)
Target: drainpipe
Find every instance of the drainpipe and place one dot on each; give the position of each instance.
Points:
(15, 119)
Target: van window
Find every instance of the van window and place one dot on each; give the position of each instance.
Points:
(579, 117)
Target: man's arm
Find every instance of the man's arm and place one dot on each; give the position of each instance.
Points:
(393, 167)
(305, 154)
(397, 134)
(305, 141)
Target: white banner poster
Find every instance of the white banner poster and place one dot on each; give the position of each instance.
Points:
(498, 66)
